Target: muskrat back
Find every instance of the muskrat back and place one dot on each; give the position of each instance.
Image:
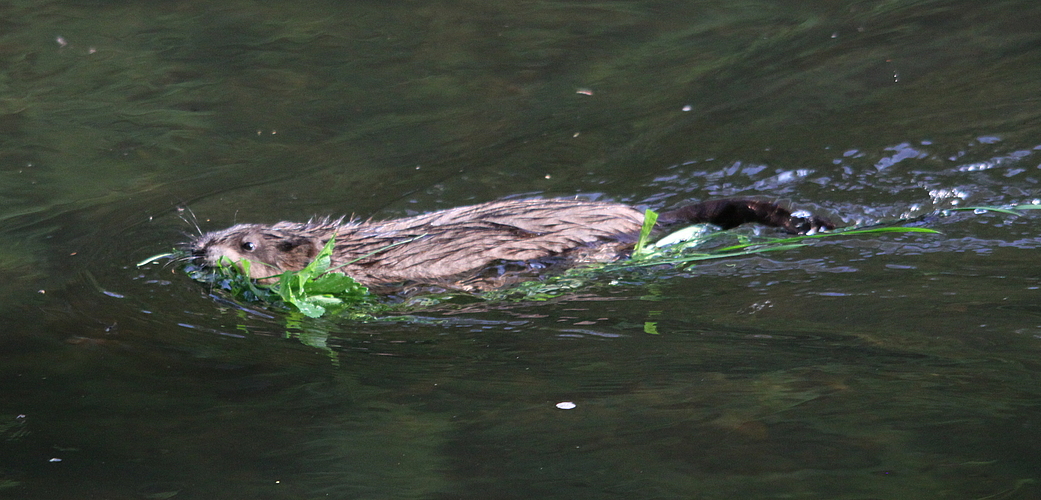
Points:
(451, 247)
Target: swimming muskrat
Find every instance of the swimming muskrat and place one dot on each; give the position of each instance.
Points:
(478, 247)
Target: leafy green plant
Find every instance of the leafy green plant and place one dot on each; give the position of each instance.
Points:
(314, 290)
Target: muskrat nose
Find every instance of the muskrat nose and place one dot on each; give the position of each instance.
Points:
(197, 252)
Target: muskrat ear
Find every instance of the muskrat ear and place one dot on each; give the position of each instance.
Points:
(287, 245)
(303, 247)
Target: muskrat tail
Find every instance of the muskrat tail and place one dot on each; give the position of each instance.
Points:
(731, 213)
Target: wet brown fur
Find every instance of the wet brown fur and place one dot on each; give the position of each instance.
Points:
(455, 248)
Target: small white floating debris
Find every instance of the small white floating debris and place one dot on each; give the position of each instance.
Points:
(566, 405)
(584, 91)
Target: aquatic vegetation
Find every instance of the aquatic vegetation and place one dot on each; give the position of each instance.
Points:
(1007, 209)
(314, 290)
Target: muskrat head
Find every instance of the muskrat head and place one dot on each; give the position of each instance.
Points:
(271, 250)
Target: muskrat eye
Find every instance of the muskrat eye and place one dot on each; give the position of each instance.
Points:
(248, 246)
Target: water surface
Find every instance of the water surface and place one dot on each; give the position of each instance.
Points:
(860, 367)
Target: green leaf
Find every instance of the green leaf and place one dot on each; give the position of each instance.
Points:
(650, 217)
(336, 283)
(1007, 209)
(309, 309)
(324, 300)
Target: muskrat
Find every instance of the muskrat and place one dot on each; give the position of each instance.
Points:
(478, 247)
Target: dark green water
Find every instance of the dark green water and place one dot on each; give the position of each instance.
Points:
(884, 367)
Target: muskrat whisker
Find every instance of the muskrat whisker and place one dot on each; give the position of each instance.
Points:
(178, 260)
(194, 222)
